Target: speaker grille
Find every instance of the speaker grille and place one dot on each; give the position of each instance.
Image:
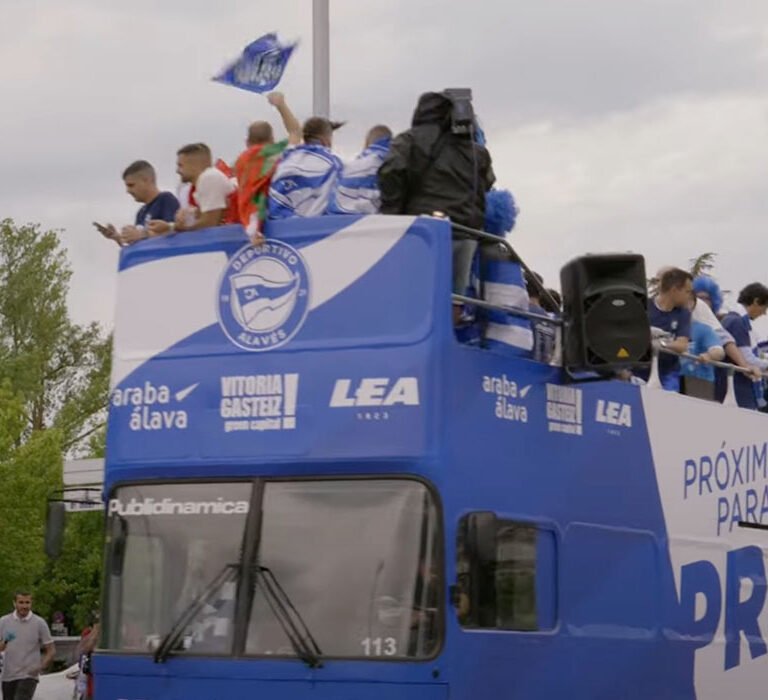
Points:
(613, 324)
(605, 299)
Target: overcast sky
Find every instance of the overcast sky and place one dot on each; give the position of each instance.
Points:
(618, 124)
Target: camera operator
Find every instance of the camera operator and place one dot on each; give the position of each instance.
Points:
(437, 167)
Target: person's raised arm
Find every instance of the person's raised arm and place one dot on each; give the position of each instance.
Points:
(89, 643)
(291, 124)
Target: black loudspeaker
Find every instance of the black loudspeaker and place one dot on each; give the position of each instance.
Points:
(605, 301)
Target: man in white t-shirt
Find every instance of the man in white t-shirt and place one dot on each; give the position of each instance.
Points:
(209, 195)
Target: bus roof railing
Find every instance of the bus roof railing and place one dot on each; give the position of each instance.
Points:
(654, 380)
(511, 310)
(710, 363)
(658, 349)
(500, 240)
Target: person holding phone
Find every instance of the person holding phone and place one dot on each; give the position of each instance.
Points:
(141, 183)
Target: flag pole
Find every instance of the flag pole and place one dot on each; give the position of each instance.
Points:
(321, 70)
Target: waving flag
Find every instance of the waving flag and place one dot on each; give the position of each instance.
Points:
(260, 66)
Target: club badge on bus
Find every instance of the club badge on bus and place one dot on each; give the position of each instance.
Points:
(263, 296)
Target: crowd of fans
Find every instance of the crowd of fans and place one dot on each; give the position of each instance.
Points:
(440, 166)
(687, 318)
(695, 338)
(430, 168)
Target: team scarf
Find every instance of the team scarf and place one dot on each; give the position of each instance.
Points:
(303, 181)
(357, 189)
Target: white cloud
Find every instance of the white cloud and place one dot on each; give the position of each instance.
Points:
(617, 125)
(671, 181)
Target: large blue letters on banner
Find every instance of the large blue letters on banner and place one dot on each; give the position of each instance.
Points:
(260, 66)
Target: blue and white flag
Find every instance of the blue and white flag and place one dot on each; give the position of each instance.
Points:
(260, 66)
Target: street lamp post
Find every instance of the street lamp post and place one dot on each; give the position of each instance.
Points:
(321, 69)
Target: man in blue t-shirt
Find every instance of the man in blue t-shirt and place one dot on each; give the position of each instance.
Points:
(669, 312)
(141, 183)
(753, 303)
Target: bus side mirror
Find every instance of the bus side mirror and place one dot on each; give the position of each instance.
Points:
(117, 539)
(481, 537)
(54, 528)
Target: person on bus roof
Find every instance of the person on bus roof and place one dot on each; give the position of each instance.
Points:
(357, 189)
(432, 169)
(256, 165)
(753, 303)
(141, 183)
(211, 198)
(669, 314)
(306, 174)
(437, 168)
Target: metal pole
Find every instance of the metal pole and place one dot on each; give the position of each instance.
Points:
(321, 69)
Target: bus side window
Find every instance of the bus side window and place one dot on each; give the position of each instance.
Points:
(505, 574)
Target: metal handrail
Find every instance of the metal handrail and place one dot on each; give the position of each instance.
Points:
(713, 363)
(500, 240)
(730, 396)
(512, 310)
(560, 323)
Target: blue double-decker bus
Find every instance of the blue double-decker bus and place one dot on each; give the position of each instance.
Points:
(314, 491)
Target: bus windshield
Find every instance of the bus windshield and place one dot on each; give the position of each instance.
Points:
(357, 558)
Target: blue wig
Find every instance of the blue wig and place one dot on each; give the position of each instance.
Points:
(707, 285)
(500, 212)
(479, 134)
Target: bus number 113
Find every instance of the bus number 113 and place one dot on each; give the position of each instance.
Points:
(379, 646)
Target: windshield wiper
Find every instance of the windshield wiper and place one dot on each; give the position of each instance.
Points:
(169, 641)
(301, 639)
(292, 623)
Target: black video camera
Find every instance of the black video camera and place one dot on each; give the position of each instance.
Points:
(462, 114)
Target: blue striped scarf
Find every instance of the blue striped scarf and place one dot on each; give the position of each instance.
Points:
(303, 181)
(357, 190)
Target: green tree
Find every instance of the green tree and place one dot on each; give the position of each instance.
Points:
(54, 382)
(72, 582)
(29, 470)
(702, 264)
(58, 368)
